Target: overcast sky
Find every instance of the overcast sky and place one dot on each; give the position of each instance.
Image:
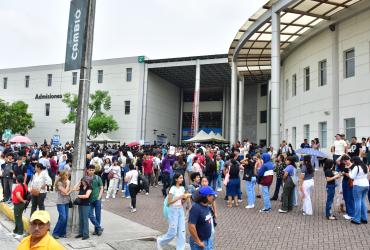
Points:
(35, 32)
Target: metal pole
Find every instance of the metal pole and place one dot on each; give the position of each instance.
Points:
(233, 102)
(181, 114)
(240, 111)
(224, 111)
(275, 79)
(196, 97)
(79, 153)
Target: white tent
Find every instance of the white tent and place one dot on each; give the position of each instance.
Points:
(103, 138)
(220, 138)
(200, 137)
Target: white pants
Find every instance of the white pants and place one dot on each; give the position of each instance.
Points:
(112, 187)
(307, 190)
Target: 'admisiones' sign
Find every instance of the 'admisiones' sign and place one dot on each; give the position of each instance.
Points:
(48, 96)
(76, 34)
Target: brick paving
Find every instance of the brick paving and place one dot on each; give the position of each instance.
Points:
(240, 228)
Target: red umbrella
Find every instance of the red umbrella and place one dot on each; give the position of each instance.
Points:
(21, 140)
(133, 144)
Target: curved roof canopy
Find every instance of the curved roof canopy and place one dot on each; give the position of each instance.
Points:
(251, 48)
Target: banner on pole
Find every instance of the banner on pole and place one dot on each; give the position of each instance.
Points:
(76, 34)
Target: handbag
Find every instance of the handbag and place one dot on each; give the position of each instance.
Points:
(110, 175)
(77, 202)
(35, 192)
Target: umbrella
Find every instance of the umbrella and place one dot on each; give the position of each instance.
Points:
(21, 140)
(133, 144)
(311, 151)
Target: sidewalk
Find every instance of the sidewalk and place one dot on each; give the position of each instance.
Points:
(119, 233)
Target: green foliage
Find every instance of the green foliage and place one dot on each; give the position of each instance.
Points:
(99, 122)
(14, 116)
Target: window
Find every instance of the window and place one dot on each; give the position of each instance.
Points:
(5, 82)
(263, 116)
(263, 89)
(74, 78)
(349, 63)
(127, 107)
(294, 136)
(50, 79)
(287, 89)
(294, 85)
(322, 73)
(100, 76)
(306, 85)
(27, 81)
(323, 134)
(306, 131)
(47, 109)
(128, 74)
(350, 125)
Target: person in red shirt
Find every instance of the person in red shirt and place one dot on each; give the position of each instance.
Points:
(147, 170)
(19, 201)
(53, 170)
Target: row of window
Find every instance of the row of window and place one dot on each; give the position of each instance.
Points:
(74, 78)
(350, 131)
(127, 108)
(349, 71)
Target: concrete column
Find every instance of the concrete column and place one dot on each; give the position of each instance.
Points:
(181, 114)
(240, 109)
(233, 103)
(275, 80)
(335, 83)
(196, 97)
(144, 104)
(223, 111)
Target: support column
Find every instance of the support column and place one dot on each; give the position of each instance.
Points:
(240, 110)
(223, 111)
(181, 114)
(196, 97)
(275, 80)
(335, 83)
(233, 103)
(144, 103)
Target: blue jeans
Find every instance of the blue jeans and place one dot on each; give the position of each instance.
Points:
(212, 181)
(330, 190)
(95, 219)
(83, 214)
(266, 197)
(348, 198)
(359, 195)
(127, 192)
(249, 186)
(60, 228)
(219, 180)
(194, 246)
(176, 227)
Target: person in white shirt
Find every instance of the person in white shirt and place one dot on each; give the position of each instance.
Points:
(115, 173)
(133, 186)
(339, 148)
(38, 185)
(157, 166)
(359, 174)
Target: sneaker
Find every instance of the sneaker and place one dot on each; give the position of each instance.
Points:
(159, 247)
(250, 206)
(219, 189)
(113, 196)
(100, 232)
(347, 217)
(146, 193)
(265, 210)
(128, 197)
(354, 222)
(240, 200)
(107, 197)
(282, 211)
(133, 210)
(123, 190)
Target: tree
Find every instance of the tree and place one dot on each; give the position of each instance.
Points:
(14, 116)
(98, 122)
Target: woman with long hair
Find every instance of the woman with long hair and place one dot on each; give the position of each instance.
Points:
(84, 191)
(38, 185)
(104, 176)
(330, 187)
(307, 183)
(62, 186)
(233, 185)
(345, 165)
(289, 185)
(176, 216)
(133, 185)
(115, 171)
(359, 175)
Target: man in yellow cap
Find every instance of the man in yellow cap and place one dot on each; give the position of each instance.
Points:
(39, 238)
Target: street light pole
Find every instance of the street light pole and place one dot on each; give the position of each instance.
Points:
(79, 153)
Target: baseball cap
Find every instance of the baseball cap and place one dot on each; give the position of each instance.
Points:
(40, 215)
(204, 191)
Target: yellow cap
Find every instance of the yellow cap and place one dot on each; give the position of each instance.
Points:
(40, 215)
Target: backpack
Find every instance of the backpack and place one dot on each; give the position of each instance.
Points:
(96, 165)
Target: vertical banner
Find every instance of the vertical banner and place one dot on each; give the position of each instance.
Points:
(76, 34)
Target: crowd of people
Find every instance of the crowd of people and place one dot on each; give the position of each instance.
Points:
(190, 177)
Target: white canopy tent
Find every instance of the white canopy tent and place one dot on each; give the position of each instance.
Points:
(104, 139)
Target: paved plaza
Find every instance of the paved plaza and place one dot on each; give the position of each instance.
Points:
(241, 228)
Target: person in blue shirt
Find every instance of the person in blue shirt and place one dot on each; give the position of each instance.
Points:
(265, 176)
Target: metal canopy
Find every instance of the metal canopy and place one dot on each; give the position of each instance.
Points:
(251, 48)
(183, 76)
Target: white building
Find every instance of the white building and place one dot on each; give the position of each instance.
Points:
(316, 55)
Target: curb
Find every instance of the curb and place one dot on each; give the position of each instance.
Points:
(8, 212)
